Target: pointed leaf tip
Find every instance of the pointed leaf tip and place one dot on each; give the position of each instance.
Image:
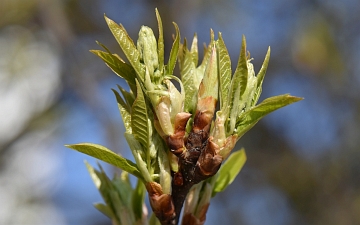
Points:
(106, 155)
(174, 51)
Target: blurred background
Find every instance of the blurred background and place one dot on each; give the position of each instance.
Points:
(303, 160)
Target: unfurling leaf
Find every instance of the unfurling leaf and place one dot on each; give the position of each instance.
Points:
(238, 87)
(147, 48)
(160, 41)
(224, 72)
(189, 79)
(174, 51)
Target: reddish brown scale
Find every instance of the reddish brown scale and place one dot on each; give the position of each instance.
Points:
(178, 179)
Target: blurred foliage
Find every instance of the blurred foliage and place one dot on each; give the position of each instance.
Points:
(303, 165)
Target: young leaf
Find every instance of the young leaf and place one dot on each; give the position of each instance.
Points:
(229, 170)
(136, 150)
(224, 71)
(123, 187)
(238, 86)
(209, 84)
(248, 119)
(106, 155)
(119, 67)
(103, 184)
(242, 68)
(174, 51)
(160, 41)
(124, 111)
(194, 50)
(165, 173)
(123, 213)
(139, 118)
(128, 47)
(147, 47)
(260, 76)
(189, 80)
(128, 96)
(137, 199)
(104, 209)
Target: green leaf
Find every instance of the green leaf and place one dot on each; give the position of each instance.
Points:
(160, 41)
(137, 199)
(260, 76)
(104, 209)
(123, 188)
(238, 86)
(164, 166)
(190, 81)
(224, 71)
(139, 118)
(106, 155)
(229, 170)
(174, 51)
(110, 195)
(194, 50)
(124, 111)
(248, 119)
(121, 102)
(209, 84)
(128, 96)
(242, 68)
(128, 47)
(103, 46)
(147, 47)
(118, 66)
(123, 213)
(136, 150)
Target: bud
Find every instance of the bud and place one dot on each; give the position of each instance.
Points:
(147, 48)
(161, 203)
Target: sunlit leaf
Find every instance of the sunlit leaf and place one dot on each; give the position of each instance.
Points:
(139, 118)
(106, 155)
(125, 111)
(137, 151)
(242, 69)
(174, 51)
(248, 119)
(188, 78)
(128, 47)
(224, 71)
(194, 50)
(260, 76)
(229, 170)
(104, 209)
(119, 67)
(128, 96)
(209, 84)
(103, 46)
(160, 41)
(238, 86)
(123, 213)
(137, 199)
